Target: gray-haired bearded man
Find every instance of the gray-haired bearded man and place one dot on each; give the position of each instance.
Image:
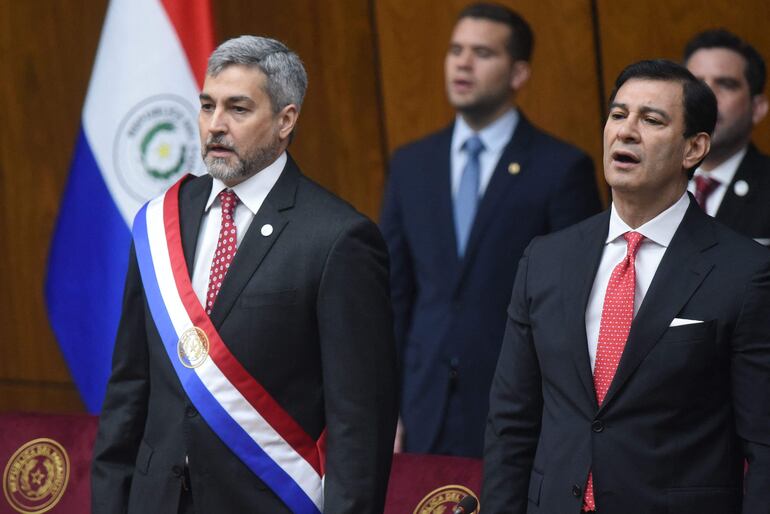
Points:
(254, 365)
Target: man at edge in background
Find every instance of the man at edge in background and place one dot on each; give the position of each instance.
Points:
(733, 182)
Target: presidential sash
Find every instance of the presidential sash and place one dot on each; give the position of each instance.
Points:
(239, 410)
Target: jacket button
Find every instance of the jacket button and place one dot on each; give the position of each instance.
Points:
(577, 492)
(177, 470)
(453, 374)
(190, 412)
(597, 425)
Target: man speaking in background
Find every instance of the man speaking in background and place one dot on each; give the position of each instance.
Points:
(634, 375)
(254, 366)
(460, 207)
(733, 183)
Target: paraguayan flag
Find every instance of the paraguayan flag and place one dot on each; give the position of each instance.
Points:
(138, 136)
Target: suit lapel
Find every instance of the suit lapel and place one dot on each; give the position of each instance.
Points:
(578, 275)
(731, 206)
(192, 202)
(679, 274)
(439, 175)
(500, 185)
(254, 246)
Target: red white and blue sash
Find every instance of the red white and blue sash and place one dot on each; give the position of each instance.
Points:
(239, 410)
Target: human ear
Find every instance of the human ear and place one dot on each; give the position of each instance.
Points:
(287, 119)
(696, 149)
(758, 108)
(520, 74)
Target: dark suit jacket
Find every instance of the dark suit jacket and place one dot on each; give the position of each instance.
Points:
(306, 311)
(749, 214)
(450, 312)
(687, 403)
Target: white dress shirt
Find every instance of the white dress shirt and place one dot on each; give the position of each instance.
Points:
(494, 137)
(251, 194)
(657, 233)
(724, 173)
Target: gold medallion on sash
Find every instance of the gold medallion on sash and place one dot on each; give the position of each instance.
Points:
(193, 347)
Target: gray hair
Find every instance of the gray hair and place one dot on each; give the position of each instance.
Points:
(286, 77)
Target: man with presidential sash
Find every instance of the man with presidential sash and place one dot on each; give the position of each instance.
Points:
(253, 369)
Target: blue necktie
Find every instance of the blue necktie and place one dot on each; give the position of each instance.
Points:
(467, 197)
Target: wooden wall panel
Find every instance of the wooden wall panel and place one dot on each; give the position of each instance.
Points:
(376, 81)
(413, 39)
(660, 28)
(47, 53)
(339, 139)
(39, 396)
(561, 97)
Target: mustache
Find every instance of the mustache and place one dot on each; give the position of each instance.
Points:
(219, 142)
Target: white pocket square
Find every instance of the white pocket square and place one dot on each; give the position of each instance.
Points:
(678, 322)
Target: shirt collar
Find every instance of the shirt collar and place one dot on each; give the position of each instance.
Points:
(725, 172)
(252, 191)
(659, 229)
(494, 136)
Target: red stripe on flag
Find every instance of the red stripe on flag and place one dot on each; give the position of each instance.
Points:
(247, 385)
(194, 27)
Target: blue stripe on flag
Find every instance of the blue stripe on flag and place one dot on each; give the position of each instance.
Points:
(230, 432)
(86, 272)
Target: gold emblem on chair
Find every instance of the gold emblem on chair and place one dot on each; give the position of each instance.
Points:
(36, 476)
(193, 347)
(443, 500)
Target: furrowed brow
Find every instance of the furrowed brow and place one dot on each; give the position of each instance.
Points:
(239, 98)
(661, 112)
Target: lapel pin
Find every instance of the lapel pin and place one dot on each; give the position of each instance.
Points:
(741, 188)
(514, 168)
(266, 230)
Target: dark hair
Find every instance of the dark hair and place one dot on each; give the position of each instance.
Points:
(522, 40)
(700, 104)
(721, 38)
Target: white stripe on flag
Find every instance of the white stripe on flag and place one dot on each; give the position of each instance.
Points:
(139, 58)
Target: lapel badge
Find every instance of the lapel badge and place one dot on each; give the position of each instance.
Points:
(266, 230)
(514, 168)
(741, 188)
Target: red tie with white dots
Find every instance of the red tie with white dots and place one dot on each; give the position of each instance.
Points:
(704, 186)
(226, 246)
(617, 315)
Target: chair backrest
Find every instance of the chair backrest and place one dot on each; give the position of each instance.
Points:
(431, 484)
(47, 462)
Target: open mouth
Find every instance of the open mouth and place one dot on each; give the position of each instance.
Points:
(625, 157)
(219, 149)
(462, 84)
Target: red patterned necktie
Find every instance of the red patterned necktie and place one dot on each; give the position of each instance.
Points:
(617, 314)
(704, 186)
(226, 246)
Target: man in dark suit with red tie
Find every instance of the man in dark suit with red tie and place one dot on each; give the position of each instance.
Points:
(254, 365)
(634, 376)
(733, 182)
